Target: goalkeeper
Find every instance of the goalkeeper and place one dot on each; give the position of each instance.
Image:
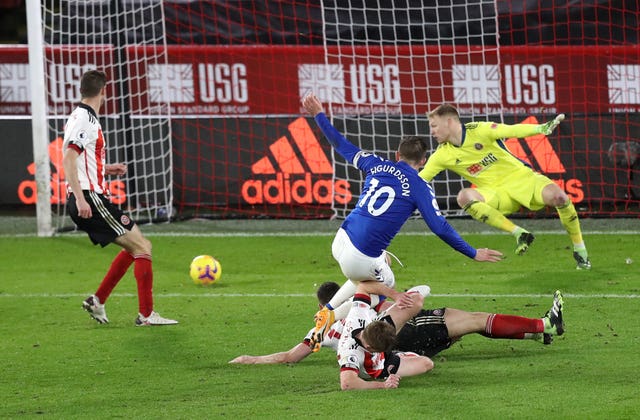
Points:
(503, 183)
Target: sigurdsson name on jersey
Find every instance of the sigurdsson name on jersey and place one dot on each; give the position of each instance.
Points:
(400, 176)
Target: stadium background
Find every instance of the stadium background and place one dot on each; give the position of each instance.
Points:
(209, 172)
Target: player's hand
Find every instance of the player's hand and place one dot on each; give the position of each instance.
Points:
(392, 381)
(488, 255)
(243, 360)
(84, 209)
(548, 127)
(312, 104)
(115, 169)
(406, 300)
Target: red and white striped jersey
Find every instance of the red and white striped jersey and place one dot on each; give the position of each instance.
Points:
(351, 355)
(83, 133)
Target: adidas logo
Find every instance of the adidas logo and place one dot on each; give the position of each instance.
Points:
(548, 162)
(541, 151)
(286, 179)
(27, 189)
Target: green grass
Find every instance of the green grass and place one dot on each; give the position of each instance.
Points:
(57, 363)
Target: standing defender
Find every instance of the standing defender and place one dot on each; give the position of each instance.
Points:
(89, 206)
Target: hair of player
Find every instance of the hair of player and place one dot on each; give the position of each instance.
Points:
(326, 291)
(380, 336)
(92, 83)
(413, 149)
(444, 110)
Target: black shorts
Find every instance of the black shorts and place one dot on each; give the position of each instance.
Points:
(391, 364)
(425, 334)
(107, 221)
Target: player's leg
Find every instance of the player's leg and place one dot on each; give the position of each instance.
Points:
(412, 364)
(553, 195)
(105, 225)
(357, 267)
(490, 207)
(140, 247)
(400, 314)
(460, 323)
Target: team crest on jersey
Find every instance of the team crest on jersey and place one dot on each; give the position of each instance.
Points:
(494, 126)
(82, 135)
(438, 312)
(124, 219)
(478, 146)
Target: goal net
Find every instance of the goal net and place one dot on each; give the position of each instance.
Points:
(396, 68)
(126, 40)
(204, 103)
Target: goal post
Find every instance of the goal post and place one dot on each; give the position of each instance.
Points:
(39, 127)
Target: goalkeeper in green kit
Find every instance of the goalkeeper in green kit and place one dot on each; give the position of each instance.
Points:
(504, 183)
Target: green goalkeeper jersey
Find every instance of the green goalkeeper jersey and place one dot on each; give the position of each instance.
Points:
(482, 159)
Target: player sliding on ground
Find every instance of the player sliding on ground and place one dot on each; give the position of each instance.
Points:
(430, 331)
(392, 192)
(476, 152)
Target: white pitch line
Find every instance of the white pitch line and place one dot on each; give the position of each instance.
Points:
(306, 295)
(303, 234)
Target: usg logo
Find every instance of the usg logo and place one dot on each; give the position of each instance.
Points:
(284, 178)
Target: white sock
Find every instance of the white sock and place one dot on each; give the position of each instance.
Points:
(347, 290)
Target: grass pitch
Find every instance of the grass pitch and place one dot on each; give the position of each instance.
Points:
(58, 363)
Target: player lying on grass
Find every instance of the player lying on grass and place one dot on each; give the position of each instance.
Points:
(365, 349)
(431, 330)
(503, 183)
(392, 192)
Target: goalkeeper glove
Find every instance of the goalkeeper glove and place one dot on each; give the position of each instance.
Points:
(551, 125)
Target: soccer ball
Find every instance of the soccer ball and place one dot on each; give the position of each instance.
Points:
(205, 270)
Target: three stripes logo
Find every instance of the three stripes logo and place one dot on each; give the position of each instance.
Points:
(296, 172)
(541, 151)
(547, 160)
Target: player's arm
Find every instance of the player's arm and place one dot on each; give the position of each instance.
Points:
(294, 355)
(70, 164)
(115, 169)
(378, 288)
(345, 148)
(432, 167)
(438, 224)
(349, 380)
(501, 131)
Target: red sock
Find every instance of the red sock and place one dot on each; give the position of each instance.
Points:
(118, 268)
(144, 278)
(511, 326)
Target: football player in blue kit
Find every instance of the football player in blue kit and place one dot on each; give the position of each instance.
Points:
(391, 193)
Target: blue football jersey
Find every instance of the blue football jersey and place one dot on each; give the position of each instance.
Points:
(391, 193)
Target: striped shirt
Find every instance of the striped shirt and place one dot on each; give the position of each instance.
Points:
(83, 133)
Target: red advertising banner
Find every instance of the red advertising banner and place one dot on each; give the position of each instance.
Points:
(64, 67)
(269, 80)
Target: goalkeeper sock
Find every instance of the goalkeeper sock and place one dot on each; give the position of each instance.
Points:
(117, 270)
(570, 221)
(484, 213)
(511, 326)
(144, 279)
